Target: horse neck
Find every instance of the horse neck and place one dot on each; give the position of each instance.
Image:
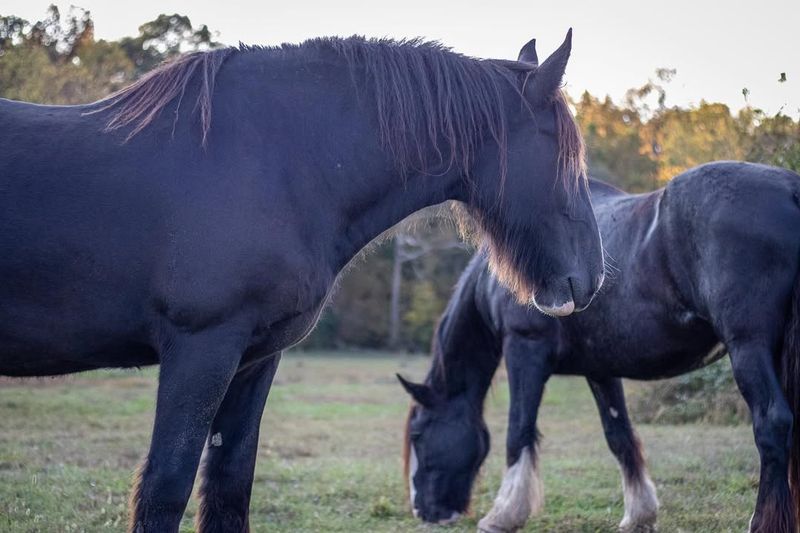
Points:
(466, 353)
(387, 201)
(347, 173)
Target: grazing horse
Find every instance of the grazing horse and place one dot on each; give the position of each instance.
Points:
(706, 265)
(198, 220)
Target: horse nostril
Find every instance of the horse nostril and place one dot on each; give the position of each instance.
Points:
(573, 289)
(580, 295)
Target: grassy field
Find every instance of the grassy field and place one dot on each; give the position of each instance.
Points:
(329, 458)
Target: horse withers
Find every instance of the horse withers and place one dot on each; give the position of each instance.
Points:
(198, 219)
(707, 264)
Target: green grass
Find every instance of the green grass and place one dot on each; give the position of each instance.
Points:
(329, 458)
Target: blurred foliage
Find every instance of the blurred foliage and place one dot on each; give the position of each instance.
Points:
(638, 144)
(642, 143)
(164, 37)
(57, 60)
(359, 312)
(705, 395)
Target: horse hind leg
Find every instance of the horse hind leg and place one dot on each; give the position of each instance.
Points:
(639, 491)
(231, 450)
(772, 425)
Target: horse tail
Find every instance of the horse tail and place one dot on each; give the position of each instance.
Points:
(790, 377)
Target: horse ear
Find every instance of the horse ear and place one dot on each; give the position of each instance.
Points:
(528, 53)
(421, 393)
(547, 78)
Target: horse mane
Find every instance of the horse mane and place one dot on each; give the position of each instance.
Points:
(426, 96)
(140, 103)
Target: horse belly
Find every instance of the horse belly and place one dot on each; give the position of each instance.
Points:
(65, 313)
(42, 335)
(645, 348)
(19, 361)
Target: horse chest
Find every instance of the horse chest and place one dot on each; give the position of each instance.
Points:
(284, 333)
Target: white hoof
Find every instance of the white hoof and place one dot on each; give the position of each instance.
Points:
(521, 494)
(641, 505)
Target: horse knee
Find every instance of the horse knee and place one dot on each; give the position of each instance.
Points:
(773, 433)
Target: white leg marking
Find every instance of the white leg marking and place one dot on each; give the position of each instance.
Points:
(413, 464)
(641, 504)
(521, 495)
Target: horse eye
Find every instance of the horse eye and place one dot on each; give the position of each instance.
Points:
(414, 435)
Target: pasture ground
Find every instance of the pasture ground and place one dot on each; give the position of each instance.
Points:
(329, 456)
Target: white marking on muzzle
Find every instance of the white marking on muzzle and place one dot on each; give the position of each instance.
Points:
(564, 309)
(521, 494)
(413, 464)
(641, 504)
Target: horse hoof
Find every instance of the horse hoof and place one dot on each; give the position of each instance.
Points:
(487, 526)
(644, 527)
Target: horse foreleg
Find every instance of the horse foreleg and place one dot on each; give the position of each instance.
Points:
(231, 449)
(772, 425)
(521, 494)
(639, 492)
(195, 371)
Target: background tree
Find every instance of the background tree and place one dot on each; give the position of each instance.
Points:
(57, 59)
(162, 38)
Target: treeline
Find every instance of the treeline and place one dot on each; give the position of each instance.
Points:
(57, 60)
(642, 143)
(393, 294)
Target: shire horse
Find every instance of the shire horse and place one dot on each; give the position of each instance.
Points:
(198, 220)
(706, 265)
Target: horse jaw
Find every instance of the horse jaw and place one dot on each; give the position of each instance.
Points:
(521, 494)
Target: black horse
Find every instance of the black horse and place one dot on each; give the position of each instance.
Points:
(147, 229)
(705, 265)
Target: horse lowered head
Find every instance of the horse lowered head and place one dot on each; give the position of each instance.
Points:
(446, 443)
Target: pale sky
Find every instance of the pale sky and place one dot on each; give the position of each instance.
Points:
(717, 47)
